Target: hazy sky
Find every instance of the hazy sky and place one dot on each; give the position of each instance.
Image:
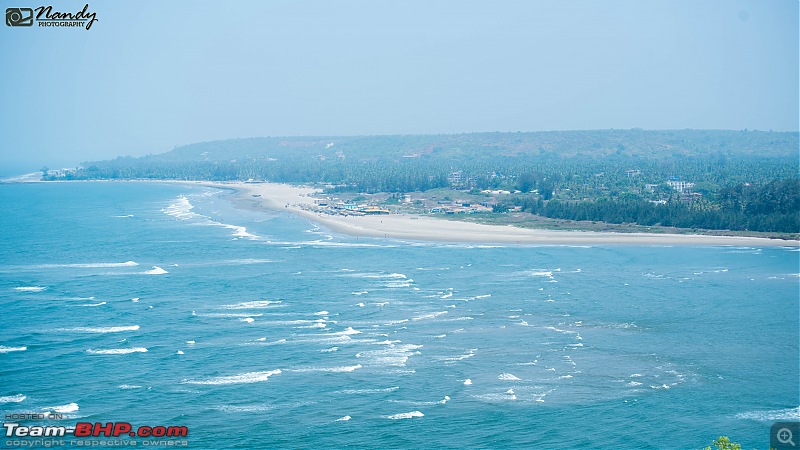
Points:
(149, 76)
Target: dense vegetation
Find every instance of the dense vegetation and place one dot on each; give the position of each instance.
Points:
(771, 207)
(741, 180)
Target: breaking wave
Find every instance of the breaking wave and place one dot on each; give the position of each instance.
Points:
(249, 377)
(407, 415)
(116, 351)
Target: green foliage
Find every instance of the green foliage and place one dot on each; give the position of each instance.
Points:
(724, 443)
(747, 180)
(772, 207)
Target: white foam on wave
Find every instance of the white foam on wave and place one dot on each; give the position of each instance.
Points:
(101, 329)
(508, 377)
(13, 398)
(360, 292)
(244, 378)
(560, 330)
(368, 391)
(349, 331)
(181, 209)
(116, 351)
(433, 403)
(4, 349)
(459, 319)
(775, 415)
(452, 359)
(247, 261)
(129, 386)
(395, 322)
(316, 325)
(541, 273)
(63, 409)
(429, 316)
(321, 313)
(296, 322)
(393, 355)
(407, 415)
(30, 288)
(247, 320)
(228, 315)
(329, 369)
(710, 271)
(377, 275)
(330, 350)
(244, 408)
(101, 265)
(93, 304)
(259, 304)
(239, 232)
(155, 271)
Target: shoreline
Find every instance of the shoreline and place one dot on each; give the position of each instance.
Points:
(291, 198)
(262, 196)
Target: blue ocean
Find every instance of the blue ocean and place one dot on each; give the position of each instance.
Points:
(162, 304)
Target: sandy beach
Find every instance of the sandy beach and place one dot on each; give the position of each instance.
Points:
(273, 196)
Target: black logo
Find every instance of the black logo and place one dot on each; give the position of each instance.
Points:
(19, 17)
(47, 17)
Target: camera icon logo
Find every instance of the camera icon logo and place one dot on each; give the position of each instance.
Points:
(19, 17)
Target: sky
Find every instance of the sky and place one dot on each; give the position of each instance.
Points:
(149, 76)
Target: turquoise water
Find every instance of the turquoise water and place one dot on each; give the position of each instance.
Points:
(164, 305)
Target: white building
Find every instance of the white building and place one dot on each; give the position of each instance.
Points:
(680, 186)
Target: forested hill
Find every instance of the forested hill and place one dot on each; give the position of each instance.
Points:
(735, 180)
(585, 144)
(419, 162)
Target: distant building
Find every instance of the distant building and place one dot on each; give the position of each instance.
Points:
(680, 185)
(650, 187)
(632, 173)
(456, 179)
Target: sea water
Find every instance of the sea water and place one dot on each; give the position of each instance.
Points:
(159, 304)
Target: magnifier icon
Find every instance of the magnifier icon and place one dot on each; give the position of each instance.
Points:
(784, 436)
